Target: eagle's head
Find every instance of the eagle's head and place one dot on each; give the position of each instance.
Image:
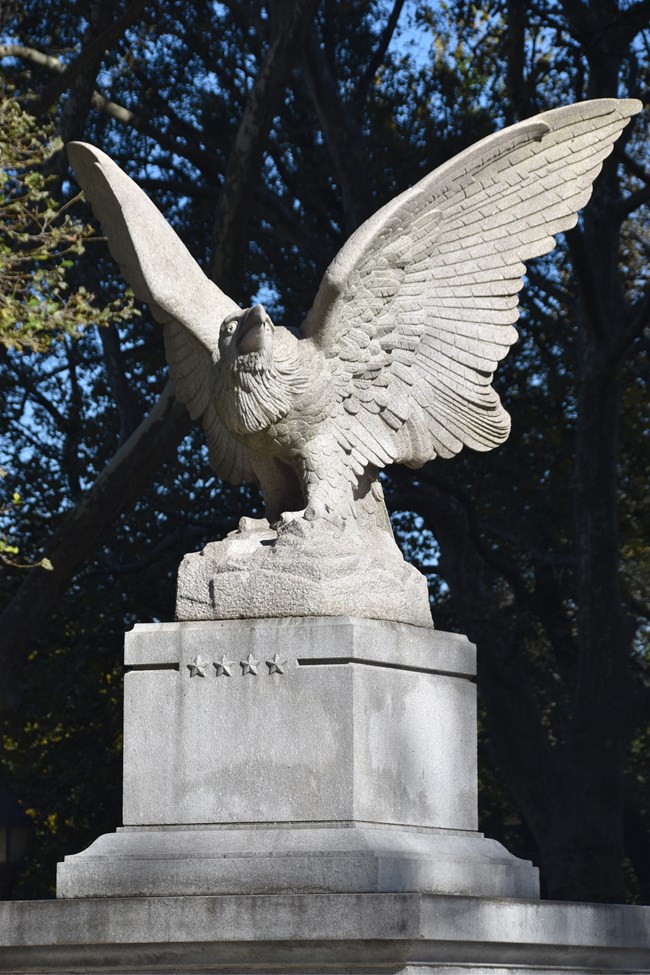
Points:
(246, 340)
(253, 378)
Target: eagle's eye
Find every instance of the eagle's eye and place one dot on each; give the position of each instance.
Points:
(229, 327)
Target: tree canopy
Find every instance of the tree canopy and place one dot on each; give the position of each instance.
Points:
(266, 132)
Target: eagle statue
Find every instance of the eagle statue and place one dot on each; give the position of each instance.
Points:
(393, 364)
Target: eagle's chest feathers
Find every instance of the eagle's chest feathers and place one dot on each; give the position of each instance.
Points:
(263, 391)
(259, 400)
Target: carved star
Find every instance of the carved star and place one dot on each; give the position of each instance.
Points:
(197, 667)
(223, 666)
(276, 666)
(250, 665)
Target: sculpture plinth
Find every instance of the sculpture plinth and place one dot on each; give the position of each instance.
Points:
(306, 570)
(297, 755)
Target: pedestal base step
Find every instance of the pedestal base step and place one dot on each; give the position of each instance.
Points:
(309, 934)
(141, 862)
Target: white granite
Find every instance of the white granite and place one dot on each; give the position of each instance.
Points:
(306, 934)
(325, 857)
(374, 641)
(297, 755)
(358, 721)
(308, 569)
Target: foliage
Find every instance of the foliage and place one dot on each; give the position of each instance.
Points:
(8, 552)
(38, 242)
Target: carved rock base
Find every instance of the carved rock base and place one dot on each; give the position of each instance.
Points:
(308, 569)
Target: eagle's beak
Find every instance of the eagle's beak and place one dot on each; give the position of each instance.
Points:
(251, 331)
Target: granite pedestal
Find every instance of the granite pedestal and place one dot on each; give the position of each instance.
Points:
(300, 797)
(297, 755)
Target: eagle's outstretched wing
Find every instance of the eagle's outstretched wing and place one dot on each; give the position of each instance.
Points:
(164, 275)
(418, 307)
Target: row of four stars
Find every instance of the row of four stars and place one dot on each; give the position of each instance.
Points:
(224, 666)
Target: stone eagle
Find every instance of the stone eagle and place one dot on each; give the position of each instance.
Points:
(393, 363)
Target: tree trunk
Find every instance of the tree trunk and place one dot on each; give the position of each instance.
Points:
(289, 22)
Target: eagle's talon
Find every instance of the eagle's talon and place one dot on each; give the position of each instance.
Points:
(248, 524)
(286, 518)
(319, 511)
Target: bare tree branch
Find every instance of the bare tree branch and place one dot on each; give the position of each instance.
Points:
(248, 149)
(204, 160)
(517, 83)
(92, 53)
(33, 56)
(266, 204)
(128, 406)
(635, 168)
(628, 204)
(272, 209)
(377, 57)
(632, 21)
(191, 149)
(635, 323)
(28, 383)
(180, 187)
(342, 137)
(493, 559)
